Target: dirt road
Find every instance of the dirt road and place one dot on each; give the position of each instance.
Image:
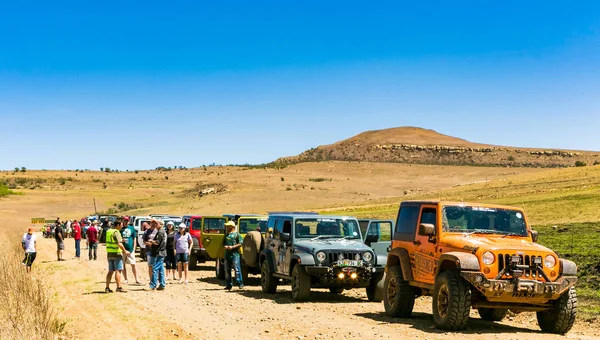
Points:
(203, 310)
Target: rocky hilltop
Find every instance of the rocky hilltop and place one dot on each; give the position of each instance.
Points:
(420, 146)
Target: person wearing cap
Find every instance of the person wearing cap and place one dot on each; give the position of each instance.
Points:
(233, 243)
(159, 252)
(28, 243)
(129, 236)
(92, 238)
(170, 261)
(183, 248)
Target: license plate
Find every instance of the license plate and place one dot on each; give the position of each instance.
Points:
(349, 263)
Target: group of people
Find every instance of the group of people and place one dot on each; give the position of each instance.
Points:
(166, 251)
(163, 248)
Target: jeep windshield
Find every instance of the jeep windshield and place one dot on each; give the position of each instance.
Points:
(320, 228)
(483, 220)
(253, 224)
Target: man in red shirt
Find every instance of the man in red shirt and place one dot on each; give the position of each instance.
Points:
(92, 237)
(77, 237)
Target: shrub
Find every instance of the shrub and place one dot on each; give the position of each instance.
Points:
(580, 163)
(319, 179)
(5, 191)
(596, 162)
(282, 179)
(511, 158)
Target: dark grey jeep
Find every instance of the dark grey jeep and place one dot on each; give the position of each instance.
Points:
(316, 251)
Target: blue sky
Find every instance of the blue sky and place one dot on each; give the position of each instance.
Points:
(139, 85)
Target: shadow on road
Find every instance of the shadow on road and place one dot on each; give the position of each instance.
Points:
(424, 322)
(315, 296)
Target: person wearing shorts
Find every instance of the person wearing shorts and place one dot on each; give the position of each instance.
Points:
(28, 243)
(114, 251)
(59, 236)
(183, 247)
(129, 238)
(170, 261)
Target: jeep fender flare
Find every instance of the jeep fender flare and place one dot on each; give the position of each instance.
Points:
(568, 268)
(459, 261)
(267, 255)
(399, 257)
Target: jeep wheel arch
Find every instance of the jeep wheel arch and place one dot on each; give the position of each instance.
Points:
(457, 261)
(268, 256)
(568, 268)
(399, 257)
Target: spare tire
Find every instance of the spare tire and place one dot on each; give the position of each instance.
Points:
(252, 247)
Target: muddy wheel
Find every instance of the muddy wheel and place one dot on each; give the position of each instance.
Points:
(398, 295)
(375, 290)
(451, 301)
(220, 269)
(561, 317)
(492, 314)
(336, 290)
(193, 262)
(267, 281)
(300, 283)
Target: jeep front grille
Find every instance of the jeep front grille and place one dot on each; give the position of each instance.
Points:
(348, 255)
(526, 260)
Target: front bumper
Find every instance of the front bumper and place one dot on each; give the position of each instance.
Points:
(200, 252)
(519, 290)
(329, 277)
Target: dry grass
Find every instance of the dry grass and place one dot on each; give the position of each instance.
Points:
(25, 311)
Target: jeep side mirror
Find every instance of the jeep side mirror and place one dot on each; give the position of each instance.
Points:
(426, 229)
(371, 238)
(534, 236)
(284, 237)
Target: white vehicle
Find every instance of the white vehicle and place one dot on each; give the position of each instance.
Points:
(165, 216)
(138, 221)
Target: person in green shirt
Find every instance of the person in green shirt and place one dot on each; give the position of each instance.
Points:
(232, 243)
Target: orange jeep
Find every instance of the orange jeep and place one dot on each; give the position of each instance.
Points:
(470, 255)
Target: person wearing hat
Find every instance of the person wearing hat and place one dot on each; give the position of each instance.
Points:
(129, 236)
(170, 261)
(183, 248)
(232, 243)
(28, 243)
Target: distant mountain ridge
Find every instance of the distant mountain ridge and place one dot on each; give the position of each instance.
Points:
(422, 146)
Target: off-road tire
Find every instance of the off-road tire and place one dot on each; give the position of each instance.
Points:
(193, 262)
(336, 290)
(375, 289)
(561, 317)
(492, 314)
(220, 269)
(252, 245)
(451, 301)
(300, 283)
(268, 282)
(398, 294)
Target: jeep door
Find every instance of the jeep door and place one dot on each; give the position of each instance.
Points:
(213, 234)
(286, 248)
(424, 251)
(381, 233)
(274, 243)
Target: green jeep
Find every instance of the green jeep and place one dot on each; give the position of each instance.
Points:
(315, 251)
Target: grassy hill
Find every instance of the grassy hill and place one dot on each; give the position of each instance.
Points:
(419, 146)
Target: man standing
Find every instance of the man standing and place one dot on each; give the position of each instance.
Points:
(77, 237)
(233, 243)
(149, 236)
(28, 244)
(159, 252)
(92, 238)
(114, 251)
(129, 237)
(59, 236)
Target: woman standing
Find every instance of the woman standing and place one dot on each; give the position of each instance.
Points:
(170, 259)
(183, 247)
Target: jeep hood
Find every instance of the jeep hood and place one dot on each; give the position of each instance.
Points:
(487, 242)
(331, 244)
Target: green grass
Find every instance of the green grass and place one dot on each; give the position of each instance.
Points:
(5, 191)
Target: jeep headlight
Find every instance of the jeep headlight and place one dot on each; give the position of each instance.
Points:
(549, 261)
(488, 258)
(321, 256)
(368, 257)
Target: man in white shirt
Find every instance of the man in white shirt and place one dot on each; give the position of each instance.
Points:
(28, 244)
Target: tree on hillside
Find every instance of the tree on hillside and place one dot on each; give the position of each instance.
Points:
(101, 169)
(23, 169)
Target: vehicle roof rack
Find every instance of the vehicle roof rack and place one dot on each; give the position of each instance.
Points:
(293, 213)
